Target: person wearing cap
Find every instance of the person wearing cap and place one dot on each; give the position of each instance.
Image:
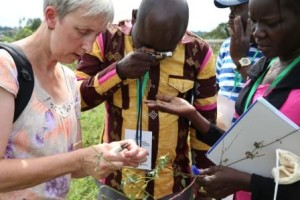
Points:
(236, 54)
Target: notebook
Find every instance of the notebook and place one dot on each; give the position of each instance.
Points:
(249, 145)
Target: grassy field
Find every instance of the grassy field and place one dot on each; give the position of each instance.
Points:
(92, 126)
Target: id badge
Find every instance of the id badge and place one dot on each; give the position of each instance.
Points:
(146, 143)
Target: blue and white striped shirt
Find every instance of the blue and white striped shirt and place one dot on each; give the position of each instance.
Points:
(229, 80)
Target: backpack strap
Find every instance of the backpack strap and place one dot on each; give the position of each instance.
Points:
(25, 77)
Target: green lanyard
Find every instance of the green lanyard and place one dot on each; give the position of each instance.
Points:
(141, 88)
(274, 82)
(237, 79)
(254, 56)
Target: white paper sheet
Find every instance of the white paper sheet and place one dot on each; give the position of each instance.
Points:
(262, 126)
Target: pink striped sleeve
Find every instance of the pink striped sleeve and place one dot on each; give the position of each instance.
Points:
(206, 107)
(101, 45)
(107, 76)
(206, 59)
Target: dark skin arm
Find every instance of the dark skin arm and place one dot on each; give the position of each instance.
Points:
(134, 65)
(180, 107)
(217, 181)
(220, 182)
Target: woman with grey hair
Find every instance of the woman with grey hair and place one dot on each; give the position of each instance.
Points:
(41, 150)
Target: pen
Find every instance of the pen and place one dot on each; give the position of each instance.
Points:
(120, 148)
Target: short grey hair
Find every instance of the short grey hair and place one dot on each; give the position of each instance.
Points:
(93, 7)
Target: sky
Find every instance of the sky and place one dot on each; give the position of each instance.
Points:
(204, 16)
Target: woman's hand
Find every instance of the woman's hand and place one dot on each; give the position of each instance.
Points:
(134, 154)
(240, 39)
(220, 181)
(101, 160)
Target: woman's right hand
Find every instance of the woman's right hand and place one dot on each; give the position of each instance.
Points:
(220, 181)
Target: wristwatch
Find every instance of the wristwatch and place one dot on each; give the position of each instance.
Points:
(243, 62)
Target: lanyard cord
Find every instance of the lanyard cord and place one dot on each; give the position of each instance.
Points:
(141, 88)
(237, 79)
(274, 82)
(254, 56)
(277, 175)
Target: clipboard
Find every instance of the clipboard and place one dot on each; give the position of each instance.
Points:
(250, 144)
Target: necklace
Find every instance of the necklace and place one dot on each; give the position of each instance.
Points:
(276, 67)
(274, 83)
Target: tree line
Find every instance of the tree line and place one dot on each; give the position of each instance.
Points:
(10, 34)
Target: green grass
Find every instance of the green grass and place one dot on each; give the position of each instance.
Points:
(92, 122)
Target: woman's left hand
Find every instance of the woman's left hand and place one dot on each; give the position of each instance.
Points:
(134, 154)
(101, 160)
